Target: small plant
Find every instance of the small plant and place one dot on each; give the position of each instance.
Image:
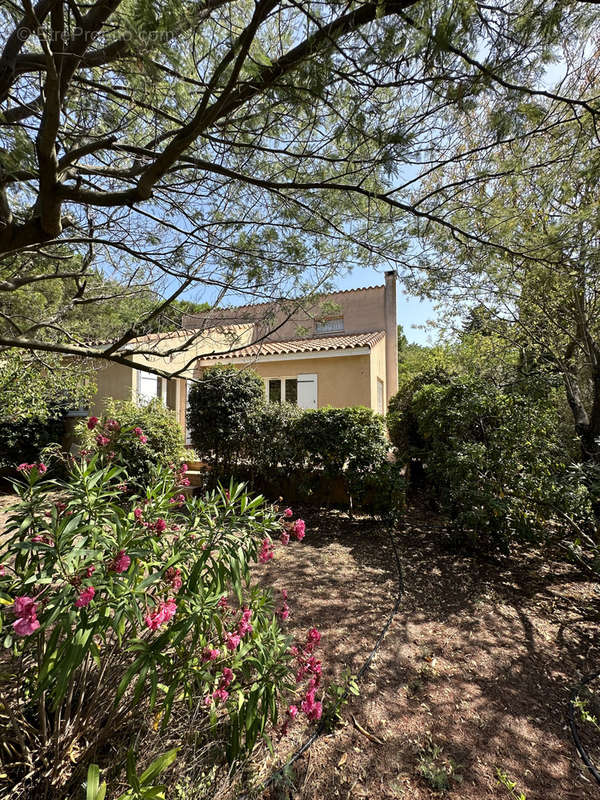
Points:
(440, 771)
(511, 786)
(141, 787)
(581, 705)
(338, 695)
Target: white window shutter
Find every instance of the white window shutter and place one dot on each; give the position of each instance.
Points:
(307, 391)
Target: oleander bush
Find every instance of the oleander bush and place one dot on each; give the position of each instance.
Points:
(121, 610)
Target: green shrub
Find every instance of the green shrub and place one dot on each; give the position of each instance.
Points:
(23, 439)
(382, 492)
(115, 611)
(492, 458)
(345, 442)
(164, 443)
(275, 446)
(224, 405)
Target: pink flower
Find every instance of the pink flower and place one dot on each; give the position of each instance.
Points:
(25, 609)
(138, 431)
(160, 525)
(2, 570)
(183, 469)
(232, 640)
(244, 625)
(315, 711)
(24, 467)
(160, 616)
(42, 468)
(210, 654)
(37, 539)
(313, 636)
(293, 711)
(299, 529)
(92, 422)
(223, 603)
(220, 694)
(288, 513)
(283, 612)
(25, 626)
(101, 440)
(143, 439)
(112, 425)
(137, 513)
(24, 606)
(120, 562)
(184, 481)
(285, 537)
(227, 678)
(173, 575)
(90, 570)
(266, 552)
(85, 597)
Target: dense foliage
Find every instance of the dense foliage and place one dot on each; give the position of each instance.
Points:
(160, 445)
(222, 411)
(23, 439)
(120, 607)
(492, 456)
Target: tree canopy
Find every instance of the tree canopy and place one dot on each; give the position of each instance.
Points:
(231, 147)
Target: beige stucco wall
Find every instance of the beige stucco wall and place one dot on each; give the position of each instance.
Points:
(377, 370)
(341, 380)
(112, 380)
(362, 310)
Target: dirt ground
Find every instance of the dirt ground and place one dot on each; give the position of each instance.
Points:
(473, 675)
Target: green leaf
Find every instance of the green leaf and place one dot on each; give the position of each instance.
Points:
(159, 765)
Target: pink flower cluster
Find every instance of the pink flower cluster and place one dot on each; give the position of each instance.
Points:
(179, 500)
(85, 597)
(296, 529)
(283, 611)
(221, 694)
(120, 562)
(25, 609)
(244, 625)
(210, 653)
(41, 468)
(160, 616)
(266, 553)
(173, 576)
(307, 666)
(140, 435)
(92, 422)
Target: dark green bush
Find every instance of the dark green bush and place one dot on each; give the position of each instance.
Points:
(164, 445)
(275, 447)
(382, 492)
(224, 406)
(346, 442)
(22, 439)
(492, 459)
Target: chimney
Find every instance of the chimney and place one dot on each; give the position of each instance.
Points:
(391, 334)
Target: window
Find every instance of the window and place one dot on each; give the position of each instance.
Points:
(380, 396)
(274, 390)
(300, 391)
(330, 325)
(291, 390)
(147, 386)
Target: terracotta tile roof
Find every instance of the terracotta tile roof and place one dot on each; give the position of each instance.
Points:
(348, 342)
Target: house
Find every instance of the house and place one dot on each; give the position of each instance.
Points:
(339, 349)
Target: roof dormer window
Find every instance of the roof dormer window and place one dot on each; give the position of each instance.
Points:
(335, 324)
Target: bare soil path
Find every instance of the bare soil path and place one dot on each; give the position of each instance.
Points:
(473, 675)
